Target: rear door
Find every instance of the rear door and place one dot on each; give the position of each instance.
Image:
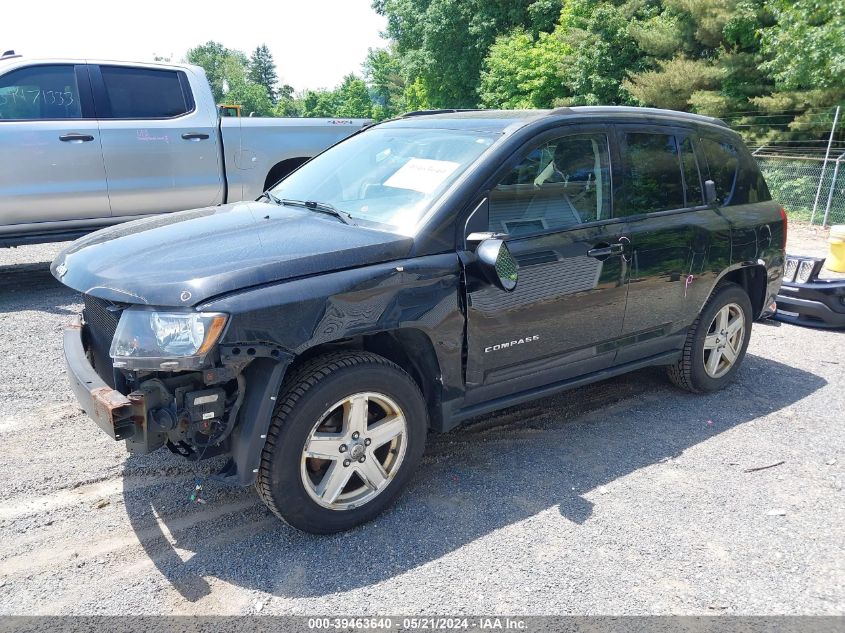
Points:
(554, 203)
(52, 159)
(160, 149)
(671, 231)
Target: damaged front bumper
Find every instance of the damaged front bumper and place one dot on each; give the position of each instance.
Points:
(814, 302)
(110, 409)
(141, 418)
(121, 417)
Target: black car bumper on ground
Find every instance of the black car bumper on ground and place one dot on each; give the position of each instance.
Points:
(814, 302)
(110, 409)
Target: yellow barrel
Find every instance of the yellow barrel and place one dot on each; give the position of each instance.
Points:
(836, 249)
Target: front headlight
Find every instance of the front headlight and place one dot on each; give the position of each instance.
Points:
(153, 339)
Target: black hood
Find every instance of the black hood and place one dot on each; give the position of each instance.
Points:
(182, 259)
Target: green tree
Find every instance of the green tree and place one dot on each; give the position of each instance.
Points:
(521, 71)
(806, 44)
(443, 43)
(384, 75)
(416, 96)
(287, 103)
(252, 97)
(702, 55)
(217, 61)
(673, 84)
(353, 99)
(603, 52)
(319, 103)
(228, 74)
(701, 23)
(262, 71)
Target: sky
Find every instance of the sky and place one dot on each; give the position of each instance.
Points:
(314, 42)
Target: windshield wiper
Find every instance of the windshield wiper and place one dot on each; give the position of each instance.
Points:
(270, 197)
(320, 207)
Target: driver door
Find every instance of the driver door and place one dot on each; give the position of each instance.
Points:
(554, 204)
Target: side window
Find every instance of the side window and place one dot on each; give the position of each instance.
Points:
(692, 177)
(559, 185)
(40, 92)
(144, 93)
(736, 175)
(652, 180)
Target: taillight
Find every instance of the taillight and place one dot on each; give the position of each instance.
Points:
(785, 224)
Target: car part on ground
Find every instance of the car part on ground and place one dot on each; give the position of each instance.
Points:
(805, 299)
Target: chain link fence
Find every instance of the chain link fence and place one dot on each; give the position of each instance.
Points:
(794, 182)
(802, 156)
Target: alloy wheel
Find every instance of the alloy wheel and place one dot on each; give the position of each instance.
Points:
(724, 340)
(354, 451)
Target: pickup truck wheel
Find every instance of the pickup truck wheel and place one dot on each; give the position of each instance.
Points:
(716, 342)
(347, 433)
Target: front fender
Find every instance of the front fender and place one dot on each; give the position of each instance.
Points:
(273, 324)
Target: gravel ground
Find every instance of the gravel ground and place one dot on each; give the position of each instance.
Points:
(624, 497)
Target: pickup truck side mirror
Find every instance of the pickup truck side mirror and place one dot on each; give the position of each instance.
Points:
(495, 262)
(710, 192)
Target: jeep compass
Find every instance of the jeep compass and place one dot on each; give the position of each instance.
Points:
(424, 271)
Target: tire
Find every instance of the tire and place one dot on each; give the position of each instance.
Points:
(698, 370)
(321, 407)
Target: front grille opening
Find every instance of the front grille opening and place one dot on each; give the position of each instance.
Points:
(101, 318)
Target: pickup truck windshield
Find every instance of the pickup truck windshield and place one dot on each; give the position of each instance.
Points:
(388, 176)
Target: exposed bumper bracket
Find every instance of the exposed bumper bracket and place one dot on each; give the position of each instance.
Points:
(110, 409)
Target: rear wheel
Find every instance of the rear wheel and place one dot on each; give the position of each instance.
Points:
(345, 438)
(716, 342)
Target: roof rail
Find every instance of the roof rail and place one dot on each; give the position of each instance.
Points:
(675, 114)
(442, 111)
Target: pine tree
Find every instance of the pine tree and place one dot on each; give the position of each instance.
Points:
(262, 70)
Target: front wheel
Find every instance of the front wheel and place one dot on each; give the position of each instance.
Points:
(716, 342)
(347, 433)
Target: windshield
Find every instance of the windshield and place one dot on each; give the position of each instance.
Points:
(389, 176)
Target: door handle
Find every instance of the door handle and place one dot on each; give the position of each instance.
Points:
(75, 137)
(194, 136)
(607, 251)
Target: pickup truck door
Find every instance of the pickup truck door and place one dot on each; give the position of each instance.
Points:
(160, 146)
(565, 315)
(52, 160)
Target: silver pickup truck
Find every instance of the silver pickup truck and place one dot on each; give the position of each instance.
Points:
(86, 144)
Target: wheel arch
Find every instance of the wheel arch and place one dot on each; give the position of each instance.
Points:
(282, 169)
(410, 348)
(753, 279)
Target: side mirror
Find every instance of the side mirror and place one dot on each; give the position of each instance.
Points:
(497, 264)
(710, 192)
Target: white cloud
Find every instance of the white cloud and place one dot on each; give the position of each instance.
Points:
(314, 42)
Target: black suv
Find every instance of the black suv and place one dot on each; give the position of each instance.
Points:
(426, 270)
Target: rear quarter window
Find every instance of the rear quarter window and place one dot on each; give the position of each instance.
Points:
(735, 172)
